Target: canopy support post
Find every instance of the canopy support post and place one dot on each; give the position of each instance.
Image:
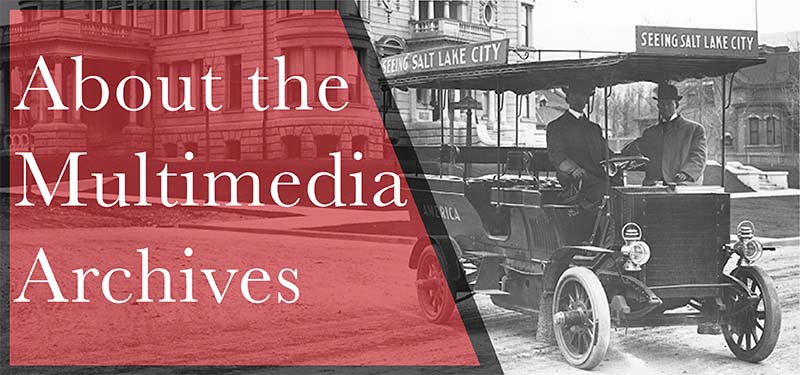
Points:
(727, 94)
(499, 151)
(516, 123)
(606, 93)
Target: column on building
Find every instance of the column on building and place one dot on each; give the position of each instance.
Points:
(431, 9)
(58, 77)
(43, 98)
(132, 99)
(3, 103)
(137, 137)
(446, 9)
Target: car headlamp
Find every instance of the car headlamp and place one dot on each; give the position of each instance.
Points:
(637, 251)
(749, 248)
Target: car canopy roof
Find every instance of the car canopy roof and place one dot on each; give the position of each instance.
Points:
(525, 77)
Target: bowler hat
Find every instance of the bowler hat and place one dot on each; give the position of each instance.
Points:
(666, 91)
(579, 87)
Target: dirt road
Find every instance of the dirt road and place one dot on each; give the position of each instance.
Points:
(662, 350)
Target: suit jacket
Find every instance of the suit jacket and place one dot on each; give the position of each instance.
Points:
(581, 142)
(675, 146)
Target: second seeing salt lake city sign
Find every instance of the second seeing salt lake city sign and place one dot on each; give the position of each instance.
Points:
(677, 41)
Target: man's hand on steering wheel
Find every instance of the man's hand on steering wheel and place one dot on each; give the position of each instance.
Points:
(615, 165)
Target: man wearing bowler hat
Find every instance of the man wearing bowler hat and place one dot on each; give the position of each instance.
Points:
(576, 147)
(676, 146)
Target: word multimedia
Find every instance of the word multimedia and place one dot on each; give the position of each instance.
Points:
(389, 192)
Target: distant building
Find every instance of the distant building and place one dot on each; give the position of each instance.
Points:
(764, 122)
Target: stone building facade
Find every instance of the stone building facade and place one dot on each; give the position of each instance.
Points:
(127, 37)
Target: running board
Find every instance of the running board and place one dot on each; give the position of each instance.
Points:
(492, 292)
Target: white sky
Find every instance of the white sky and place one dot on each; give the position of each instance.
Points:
(609, 24)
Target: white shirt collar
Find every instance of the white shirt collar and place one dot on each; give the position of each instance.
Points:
(674, 116)
(575, 113)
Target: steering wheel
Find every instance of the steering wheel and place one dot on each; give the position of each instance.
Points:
(615, 165)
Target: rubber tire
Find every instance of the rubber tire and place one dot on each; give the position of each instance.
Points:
(443, 313)
(772, 321)
(601, 313)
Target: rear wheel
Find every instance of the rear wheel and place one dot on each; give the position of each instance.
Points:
(435, 299)
(581, 318)
(753, 330)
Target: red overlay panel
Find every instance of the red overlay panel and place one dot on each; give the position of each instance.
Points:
(334, 299)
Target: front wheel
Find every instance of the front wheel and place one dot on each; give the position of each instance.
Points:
(435, 299)
(581, 318)
(753, 329)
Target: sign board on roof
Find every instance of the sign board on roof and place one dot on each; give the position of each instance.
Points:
(484, 54)
(696, 42)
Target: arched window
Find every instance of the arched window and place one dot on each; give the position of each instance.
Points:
(360, 144)
(326, 144)
(233, 149)
(191, 147)
(290, 145)
(171, 149)
(772, 131)
(753, 128)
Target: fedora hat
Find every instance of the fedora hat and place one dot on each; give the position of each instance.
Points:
(667, 92)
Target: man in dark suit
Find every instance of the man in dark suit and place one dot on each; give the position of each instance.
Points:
(576, 147)
(676, 146)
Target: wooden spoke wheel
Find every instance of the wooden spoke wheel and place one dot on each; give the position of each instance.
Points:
(754, 326)
(435, 299)
(581, 318)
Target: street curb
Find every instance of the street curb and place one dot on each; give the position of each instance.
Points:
(308, 234)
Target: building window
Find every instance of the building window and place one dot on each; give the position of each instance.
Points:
(526, 106)
(233, 149)
(526, 26)
(753, 127)
(355, 82)
(291, 146)
(233, 12)
(422, 6)
(29, 13)
(360, 144)
(161, 17)
(456, 11)
(189, 15)
(326, 144)
(424, 97)
(292, 7)
(325, 60)
(295, 58)
(772, 138)
(171, 150)
(233, 94)
(191, 147)
(184, 14)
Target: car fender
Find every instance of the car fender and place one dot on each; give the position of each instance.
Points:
(561, 260)
(446, 248)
